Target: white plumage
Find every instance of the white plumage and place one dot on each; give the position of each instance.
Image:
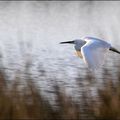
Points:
(92, 50)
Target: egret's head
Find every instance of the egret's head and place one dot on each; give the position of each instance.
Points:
(77, 42)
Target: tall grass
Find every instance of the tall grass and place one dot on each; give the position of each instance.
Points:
(25, 101)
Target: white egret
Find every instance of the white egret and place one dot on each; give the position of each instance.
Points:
(92, 50)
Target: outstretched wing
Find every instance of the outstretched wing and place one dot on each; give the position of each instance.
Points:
(93, 53)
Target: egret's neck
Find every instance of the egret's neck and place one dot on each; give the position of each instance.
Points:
(79, 44)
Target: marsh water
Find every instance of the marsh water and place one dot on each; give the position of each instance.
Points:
(32, 30)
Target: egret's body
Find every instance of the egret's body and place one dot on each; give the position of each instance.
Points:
(92, 50)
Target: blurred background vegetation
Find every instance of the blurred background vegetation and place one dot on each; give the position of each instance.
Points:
(21, 98)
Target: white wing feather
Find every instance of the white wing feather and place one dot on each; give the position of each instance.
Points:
(93, 53)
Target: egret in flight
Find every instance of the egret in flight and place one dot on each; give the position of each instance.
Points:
(92, 50)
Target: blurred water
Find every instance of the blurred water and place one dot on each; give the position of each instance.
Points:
(32, 30)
